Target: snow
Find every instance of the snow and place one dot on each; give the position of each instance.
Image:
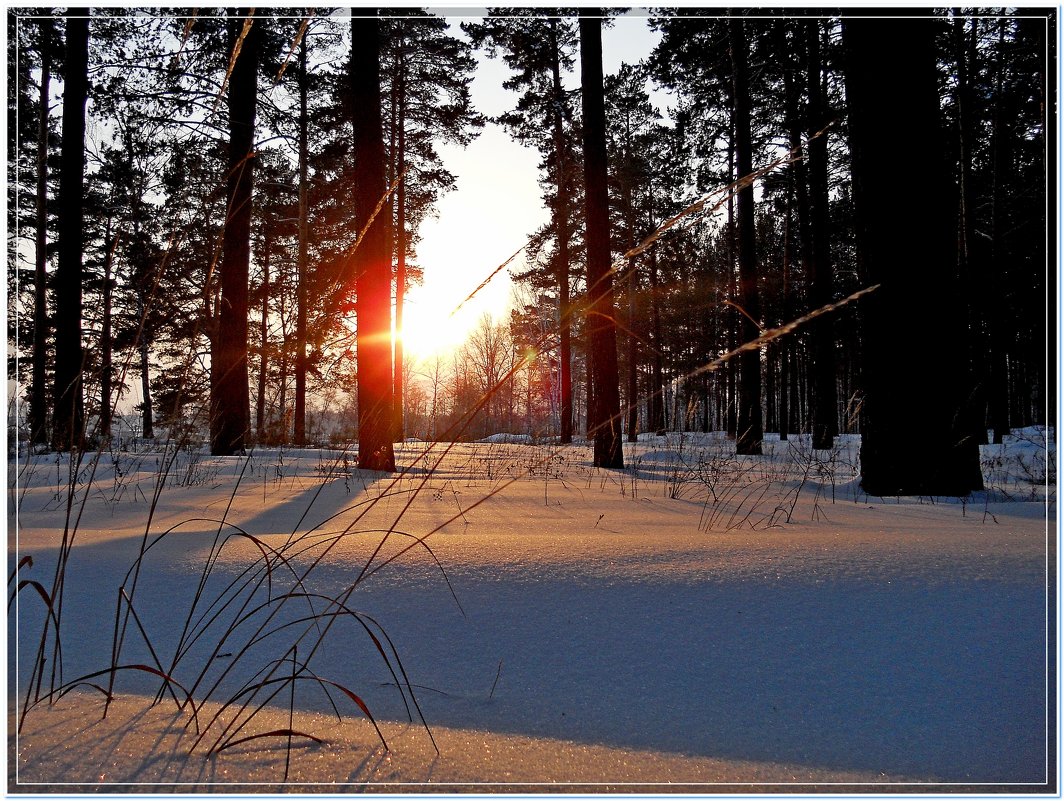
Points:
(698, 621)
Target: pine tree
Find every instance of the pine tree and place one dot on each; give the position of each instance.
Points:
(749, 430)
(372, 258)
(604, 423)
(68, 414)
(229, 410)
(911, 392)
(538, 45)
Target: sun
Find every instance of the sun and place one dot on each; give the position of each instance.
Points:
(429, 327)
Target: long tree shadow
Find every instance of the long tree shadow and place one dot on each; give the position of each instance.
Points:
(941, 679)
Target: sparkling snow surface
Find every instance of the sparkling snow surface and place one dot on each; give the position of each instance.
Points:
(692, 622)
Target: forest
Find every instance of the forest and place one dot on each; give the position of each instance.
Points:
(748, 484)
(838, 225)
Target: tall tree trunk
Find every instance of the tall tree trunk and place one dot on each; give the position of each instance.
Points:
(264, 343)
(68, 415)
(971, 260)
(1001, 157)
(373, 258)
(561, 224)
(915, 376)
(38, 409)
(602, 334)
(632, 394)
(299, 434)
(821, 283)
(657, 368)
(749, 426)
(106, 344)
(230, 412)
(785, 346)
(147, 410)
(398, 389)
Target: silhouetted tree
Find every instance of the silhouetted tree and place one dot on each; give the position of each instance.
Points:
(230, 411)
(603, 420)
(915, 377)
(372, 258)
(68, 414)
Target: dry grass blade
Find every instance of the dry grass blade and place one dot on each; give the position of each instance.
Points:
(176, 58)
(288, 733)
(487, 280)
(304, 24)
(233, 57)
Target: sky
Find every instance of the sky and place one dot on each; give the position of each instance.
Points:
(495, 208)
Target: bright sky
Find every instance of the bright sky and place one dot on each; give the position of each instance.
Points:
(493, 210)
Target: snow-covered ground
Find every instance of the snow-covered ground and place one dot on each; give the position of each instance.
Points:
(697, 621)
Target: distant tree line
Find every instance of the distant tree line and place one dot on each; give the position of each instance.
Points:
(223, 207)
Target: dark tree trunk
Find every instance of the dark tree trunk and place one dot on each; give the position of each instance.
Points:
(299, 434)
(602, 333)
(561, 223)
(373, 258)
(633, 360)
(821, 283)
(1001, 156)
(68, 415)
(749, 426)
(38, 409)
(785, 346)
(972, 261)
(147, 410)
(230, 411)
(915, 373)
(264, 343)
(106, 344)
(657, 368)
(398, 389)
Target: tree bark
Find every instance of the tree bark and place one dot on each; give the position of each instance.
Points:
(230, 411)
(299, 434)
(106, 345)
(915, 374)
(398, 389)
(38, 409)
(373, 258)
(657, 367)
(821, 283)
(749, 426)
(68, 415)
(602, 333)
(260, 400)
(561, 223)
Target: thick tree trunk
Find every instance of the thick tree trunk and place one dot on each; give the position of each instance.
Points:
(38, 409)
(602, 333)
(373, 258)
(915, 377)
(68, 415)
(230, 411)
(821, 283)
(749, 426)
(299, 433)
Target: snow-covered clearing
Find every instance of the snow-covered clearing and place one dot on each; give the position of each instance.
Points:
(694, 622)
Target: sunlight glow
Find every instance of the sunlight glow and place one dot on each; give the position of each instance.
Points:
(429, 329)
